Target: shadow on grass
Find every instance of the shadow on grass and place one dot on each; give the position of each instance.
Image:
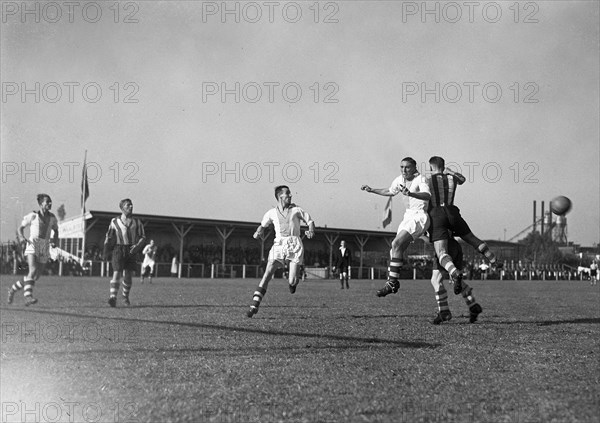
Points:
(585, 320)
(389, 342)
(570, 321)
(149, 306)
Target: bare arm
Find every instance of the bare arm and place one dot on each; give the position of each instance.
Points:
(459, 178)
(258, 233)
(311, 230)
(379, 191)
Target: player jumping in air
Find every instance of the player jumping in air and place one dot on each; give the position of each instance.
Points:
(287, 247)
(41, 224)
(441, 295)
(125, 237)
(446, 218)
(416, 193)
(149, 262)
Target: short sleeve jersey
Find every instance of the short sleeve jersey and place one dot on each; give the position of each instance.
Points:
(40, 227)
(418, 184)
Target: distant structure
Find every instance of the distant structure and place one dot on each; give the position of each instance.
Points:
(559, 233)
(554, 229)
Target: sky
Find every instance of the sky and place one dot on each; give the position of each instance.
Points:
(200, 109)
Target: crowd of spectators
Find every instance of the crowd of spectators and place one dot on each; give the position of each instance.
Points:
(212, 254)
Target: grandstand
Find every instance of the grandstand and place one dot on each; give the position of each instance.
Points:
(211, 248)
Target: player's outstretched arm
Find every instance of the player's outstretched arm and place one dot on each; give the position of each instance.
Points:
(380, 191)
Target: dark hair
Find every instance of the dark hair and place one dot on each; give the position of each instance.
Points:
(123, 201)
(279, 189)
(438, 162)
(41, 197)
(410, 160)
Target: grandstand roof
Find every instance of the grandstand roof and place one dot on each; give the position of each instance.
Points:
(158, 222)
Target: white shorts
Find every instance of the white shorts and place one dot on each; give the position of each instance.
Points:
(148, 263)
(40, 249)
(415, 223)
(287, 248)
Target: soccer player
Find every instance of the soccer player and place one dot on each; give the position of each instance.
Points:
(446, 219)
(593, 273)
(416, 193)
(343, 263)
(287, 247)
(441, 295)
(41, 224)
(149, 252)
(125, 237)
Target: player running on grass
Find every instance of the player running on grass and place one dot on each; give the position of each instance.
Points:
(41, 224)
(149, 262)
(287, 247)
(441, 295)
(416, 193)
(126, 237)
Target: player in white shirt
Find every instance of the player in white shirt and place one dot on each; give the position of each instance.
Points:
(149, 252)
(41, 225)
(416, 193)
(287, 247)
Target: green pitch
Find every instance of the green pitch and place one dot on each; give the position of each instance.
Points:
(185, 351)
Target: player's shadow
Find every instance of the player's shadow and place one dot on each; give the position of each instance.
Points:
(592, 320)
(205, 326)
(585, 320)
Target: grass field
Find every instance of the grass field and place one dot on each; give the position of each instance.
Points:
(185, 351)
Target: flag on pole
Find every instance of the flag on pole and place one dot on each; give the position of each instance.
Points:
(85, 189)
(387, 213)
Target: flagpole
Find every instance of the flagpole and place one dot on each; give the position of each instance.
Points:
(83, 198)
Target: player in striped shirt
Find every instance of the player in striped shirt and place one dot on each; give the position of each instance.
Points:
(41, 224)
(287, 247)
(415, 189)
(125, 237)
(446, 219)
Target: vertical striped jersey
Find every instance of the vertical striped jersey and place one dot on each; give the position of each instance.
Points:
(443, 188)
(40, 226)
(286, 223)
(125, 234)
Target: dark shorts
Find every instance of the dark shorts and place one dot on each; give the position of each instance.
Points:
(455, 252)
(122, 259)
(343, 268)
(445, 218)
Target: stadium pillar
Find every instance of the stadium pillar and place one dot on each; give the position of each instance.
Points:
(224, 234)
(331, 239)
(181, 233)
(362, 241)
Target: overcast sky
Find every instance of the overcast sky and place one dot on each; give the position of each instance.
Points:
(190, 113)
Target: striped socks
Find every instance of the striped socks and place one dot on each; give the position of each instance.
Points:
(394, 269)
(446, 262)
(257, 298)
(114, 288)
(467, 294)
(28, 287)
(17, 286)
(126, 289)
(441, 297)
(485, 250)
